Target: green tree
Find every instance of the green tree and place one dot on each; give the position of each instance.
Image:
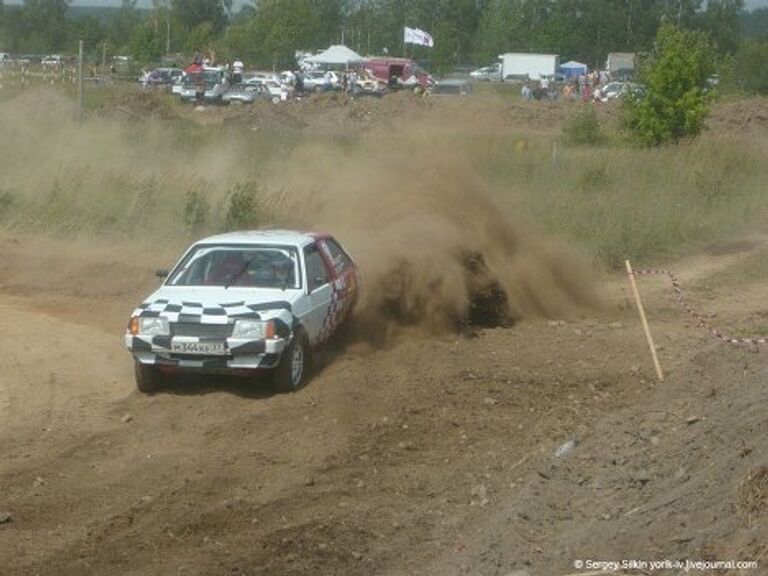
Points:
(502, 25)
(282, 27)
(754, 24)
(91, 31)
(675, 76)
(45, 24)
(681, 13)
(751, 67)
(193, 13)
(240, 42)
(162, 15)
(721, 21)
(331, 16)
(200, 39)
(124, 24)
(146, 45)
(3, 35)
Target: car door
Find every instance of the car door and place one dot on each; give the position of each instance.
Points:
(343, 280)
(319, 294)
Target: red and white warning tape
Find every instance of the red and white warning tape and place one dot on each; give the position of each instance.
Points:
(700, 318)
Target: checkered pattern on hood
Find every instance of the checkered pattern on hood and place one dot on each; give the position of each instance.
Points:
(224, 313)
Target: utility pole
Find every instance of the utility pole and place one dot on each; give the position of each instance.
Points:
(167, 33)
(80, 81)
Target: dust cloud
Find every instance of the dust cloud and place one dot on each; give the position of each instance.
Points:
(434, 248)
(429, 239)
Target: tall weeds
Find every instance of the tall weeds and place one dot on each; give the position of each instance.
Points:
(172, 179)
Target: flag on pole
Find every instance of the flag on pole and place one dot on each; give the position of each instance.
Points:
(416, 36)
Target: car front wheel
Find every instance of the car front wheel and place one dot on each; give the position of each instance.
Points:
(292, 371)
(148, 377)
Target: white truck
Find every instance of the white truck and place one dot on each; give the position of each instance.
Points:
(522, 66)
(211, 81)
(620, 65)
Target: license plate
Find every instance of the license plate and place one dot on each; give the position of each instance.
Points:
(203, 348)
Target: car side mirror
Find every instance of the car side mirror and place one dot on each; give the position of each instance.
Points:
(316, 283)
(161, 273)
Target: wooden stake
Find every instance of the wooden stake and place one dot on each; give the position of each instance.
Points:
(644, 320)
(80, 81)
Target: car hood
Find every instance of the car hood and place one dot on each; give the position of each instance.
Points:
(216, 304)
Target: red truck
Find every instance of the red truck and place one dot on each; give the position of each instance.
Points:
(398, 72)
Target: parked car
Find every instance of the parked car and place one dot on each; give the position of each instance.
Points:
(490, 73)
(319, 81)
(368, 85)
(454, 87)
(244, 302)
(278, 90)
(152, 78)
(615, 90)
(25, 59)
(247, 94)
(161, 77)
(53, 60)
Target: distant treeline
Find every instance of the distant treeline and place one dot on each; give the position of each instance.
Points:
(467, 32)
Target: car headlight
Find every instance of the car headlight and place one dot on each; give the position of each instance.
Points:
(253, 329)
(154, 326)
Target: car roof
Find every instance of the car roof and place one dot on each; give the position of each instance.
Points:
(277, 237)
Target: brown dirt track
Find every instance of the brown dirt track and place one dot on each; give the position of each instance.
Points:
(431, 456)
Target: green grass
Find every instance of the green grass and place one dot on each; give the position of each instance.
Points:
(170, 177)
(648, 205)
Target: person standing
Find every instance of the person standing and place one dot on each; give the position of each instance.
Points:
(526, 92)
(237, 71)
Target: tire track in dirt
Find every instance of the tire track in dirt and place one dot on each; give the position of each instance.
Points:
(409, 459)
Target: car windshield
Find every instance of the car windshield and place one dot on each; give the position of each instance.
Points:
(249, 266)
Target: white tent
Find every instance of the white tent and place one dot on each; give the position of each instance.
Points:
(573, 69)
(337, 55)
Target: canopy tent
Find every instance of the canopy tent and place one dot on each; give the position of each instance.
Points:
(337, 55)
(573, 69)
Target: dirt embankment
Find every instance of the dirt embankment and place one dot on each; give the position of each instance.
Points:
(484, 111)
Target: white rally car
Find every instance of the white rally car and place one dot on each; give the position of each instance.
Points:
(244, 301)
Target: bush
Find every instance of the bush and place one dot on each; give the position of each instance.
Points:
(751, 67)
(243, 210)
(142, 204)
(593, 179)
(146, 43)
(196, 209)
(583, 129)
(7, 200)
(675, 75)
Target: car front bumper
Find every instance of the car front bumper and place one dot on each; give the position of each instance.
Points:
(240, 353)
